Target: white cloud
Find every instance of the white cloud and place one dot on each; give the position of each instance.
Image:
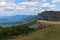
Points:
(53, 5)
(29, 6)
(26, 7)
(45, 5)
(39, 0)
(44, 0)
(8, 8)
(36, 6)
(7, 0)
(28, 3)
(54, 1)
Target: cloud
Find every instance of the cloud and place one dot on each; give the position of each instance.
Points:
(36, 6)
(27, 7)
(44, 0)
(28, 3)
(54, 1)
(9, 8)
(45, 5)
(7, 0)
(38, 0)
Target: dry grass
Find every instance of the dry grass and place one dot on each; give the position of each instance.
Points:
(50, 33)
(49, 22)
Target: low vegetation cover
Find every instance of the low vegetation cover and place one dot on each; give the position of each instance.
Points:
(50, 33)
(27, 31)
(22, 29)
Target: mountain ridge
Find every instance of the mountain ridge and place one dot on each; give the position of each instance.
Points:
(15, 19)
(49, 15)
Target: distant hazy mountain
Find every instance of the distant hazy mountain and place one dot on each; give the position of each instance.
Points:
(10, 20)
(49, 15)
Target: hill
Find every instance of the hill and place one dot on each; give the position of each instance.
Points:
(45, 28)
(50, 33)
(23, 28)
(49, 15)
(48, 25)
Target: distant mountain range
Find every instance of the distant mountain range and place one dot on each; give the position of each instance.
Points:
(11, 20)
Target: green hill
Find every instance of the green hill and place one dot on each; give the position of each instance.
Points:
(50, 33)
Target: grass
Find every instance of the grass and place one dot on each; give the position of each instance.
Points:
(49, 22)
(50, 33)
(33, 26)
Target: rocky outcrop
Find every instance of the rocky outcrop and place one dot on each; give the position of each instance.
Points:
(49, 15)
(44, 24)
(52, 17)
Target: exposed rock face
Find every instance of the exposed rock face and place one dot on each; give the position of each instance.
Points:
(49, 15)
(41, 25)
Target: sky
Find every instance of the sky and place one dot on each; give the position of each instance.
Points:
(27, 7)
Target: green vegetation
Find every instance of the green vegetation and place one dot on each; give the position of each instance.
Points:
(33, 26)
(14, 31)
(26, 31)
(22, 29)
(50, 33)
(28, 22)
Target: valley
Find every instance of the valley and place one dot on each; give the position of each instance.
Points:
(38, 27)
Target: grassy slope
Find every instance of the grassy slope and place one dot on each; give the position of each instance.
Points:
(49, 22)
(50, 33)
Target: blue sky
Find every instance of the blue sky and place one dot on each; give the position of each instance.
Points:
(27, 7)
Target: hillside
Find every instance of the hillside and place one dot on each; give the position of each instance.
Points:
(48, 25)
(45, 28)
(45, 24)
(22, 28)
(50, 33)
(49, 15)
